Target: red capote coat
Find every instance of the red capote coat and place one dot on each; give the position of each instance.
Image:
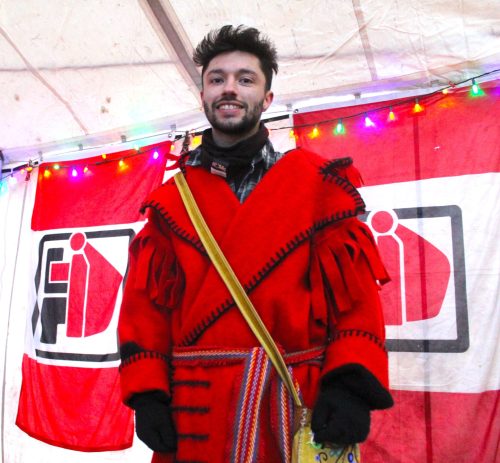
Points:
(312, 271)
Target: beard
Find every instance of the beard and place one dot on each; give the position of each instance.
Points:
(247, 123)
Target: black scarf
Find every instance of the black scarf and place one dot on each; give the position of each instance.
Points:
(234, 160)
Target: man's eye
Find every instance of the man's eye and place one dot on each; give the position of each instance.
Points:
(216, 80)
(246, 80)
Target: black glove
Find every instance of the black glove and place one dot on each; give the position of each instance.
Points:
(153, 421)
(340, 417)
(342, 411)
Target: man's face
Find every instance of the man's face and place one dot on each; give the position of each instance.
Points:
(234, 95)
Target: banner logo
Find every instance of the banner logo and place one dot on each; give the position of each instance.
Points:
(425, 304)
(79, 283)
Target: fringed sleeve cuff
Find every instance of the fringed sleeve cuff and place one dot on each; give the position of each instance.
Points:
(361, 348)
(144, 372)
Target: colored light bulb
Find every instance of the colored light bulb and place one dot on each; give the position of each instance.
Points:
(418, 108)
(369, 122)
(476, 90)
(156, 155)
(391, 117)
(339, 128)
(74, 172)
(314, 133)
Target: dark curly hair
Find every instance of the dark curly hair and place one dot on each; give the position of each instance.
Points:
(240, 38)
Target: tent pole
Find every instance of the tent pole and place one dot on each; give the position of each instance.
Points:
(4, 372)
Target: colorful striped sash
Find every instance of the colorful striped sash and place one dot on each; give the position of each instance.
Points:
(261, 385)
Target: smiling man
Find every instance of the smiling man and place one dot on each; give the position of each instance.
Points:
(201, 386)
(234, 95)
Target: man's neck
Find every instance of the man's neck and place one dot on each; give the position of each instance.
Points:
(225, 140)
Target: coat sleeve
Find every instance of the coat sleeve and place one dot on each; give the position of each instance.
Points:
(153, 286)
(346, 274)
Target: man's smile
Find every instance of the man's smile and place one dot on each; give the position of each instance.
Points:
(225, 104)
(229, 109)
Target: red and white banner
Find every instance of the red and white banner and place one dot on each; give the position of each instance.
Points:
(85, 215)
(432, 185)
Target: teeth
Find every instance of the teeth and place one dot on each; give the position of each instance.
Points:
(228, 106)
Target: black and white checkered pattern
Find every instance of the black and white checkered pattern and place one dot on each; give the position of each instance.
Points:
(265, 159)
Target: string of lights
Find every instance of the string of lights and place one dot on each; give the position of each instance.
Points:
(418, 107)
(195, 136)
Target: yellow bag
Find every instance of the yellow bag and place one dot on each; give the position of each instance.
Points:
(305, 450)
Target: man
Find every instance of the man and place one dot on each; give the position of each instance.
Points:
(197, 378)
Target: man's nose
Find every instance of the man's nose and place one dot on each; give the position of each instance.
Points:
(229, 86)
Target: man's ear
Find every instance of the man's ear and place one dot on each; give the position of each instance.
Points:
(268, 99)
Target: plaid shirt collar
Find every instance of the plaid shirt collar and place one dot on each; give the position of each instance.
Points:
(265, 159)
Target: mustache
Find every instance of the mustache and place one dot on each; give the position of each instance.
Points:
(228, 99)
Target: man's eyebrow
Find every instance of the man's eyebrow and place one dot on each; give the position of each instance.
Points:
(239, 71)
(247, 71)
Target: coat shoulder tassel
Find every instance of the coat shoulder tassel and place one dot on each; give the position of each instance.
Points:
(157, 270)
(343, 258)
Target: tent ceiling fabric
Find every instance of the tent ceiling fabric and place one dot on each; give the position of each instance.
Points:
(74, 71)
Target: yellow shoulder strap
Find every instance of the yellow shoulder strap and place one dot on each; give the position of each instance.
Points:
(228, 276)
